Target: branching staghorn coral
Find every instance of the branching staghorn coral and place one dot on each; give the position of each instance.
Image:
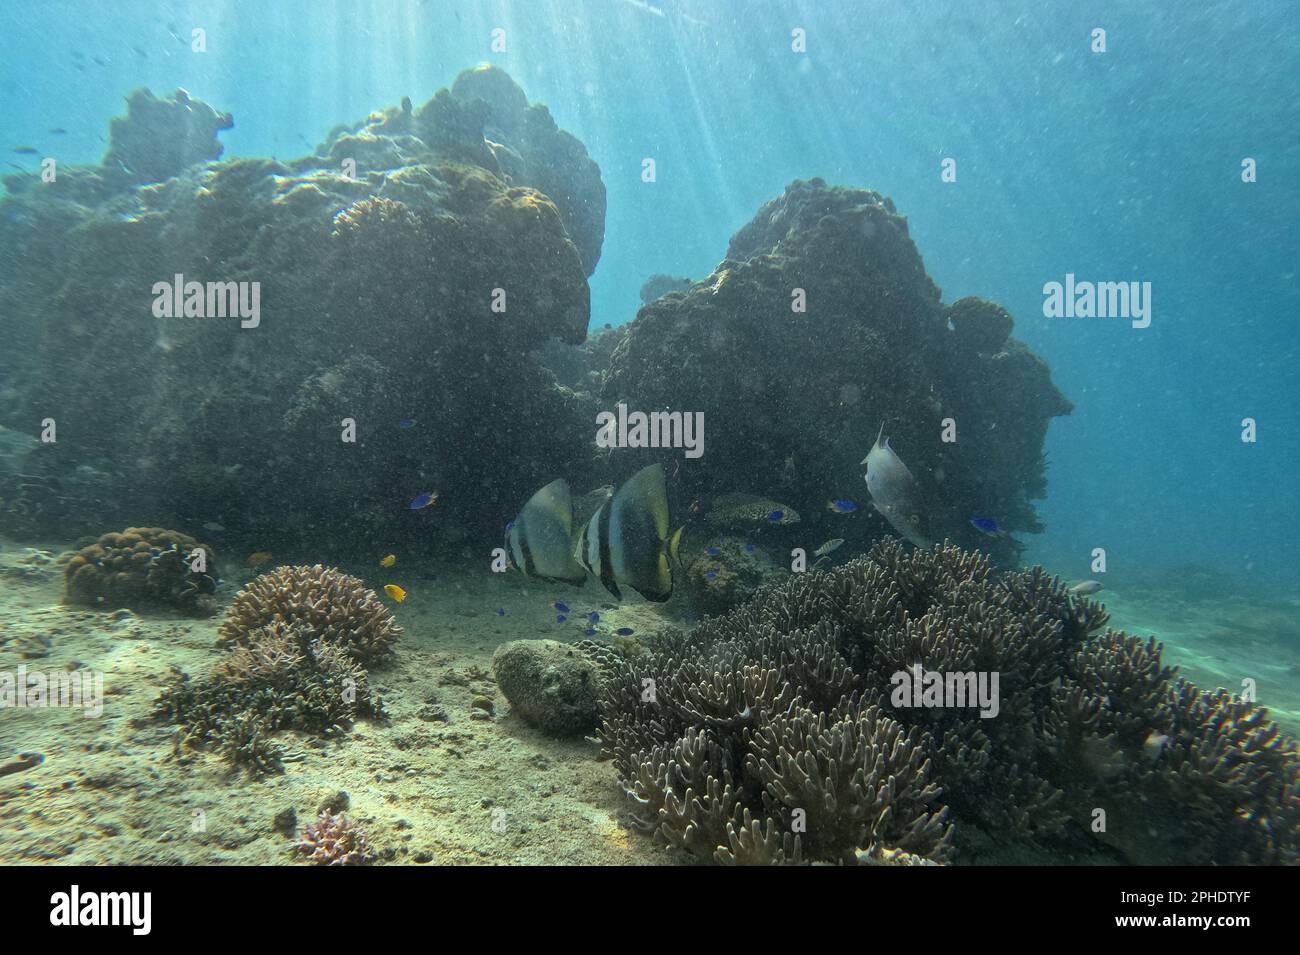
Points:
(775, 734)
(337, 608)
(282, 677)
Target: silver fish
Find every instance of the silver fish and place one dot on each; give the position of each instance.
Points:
(1086, 587)
(829, 546)
(894, 491)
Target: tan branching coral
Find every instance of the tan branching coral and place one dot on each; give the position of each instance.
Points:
(337, 608)
(143, 568)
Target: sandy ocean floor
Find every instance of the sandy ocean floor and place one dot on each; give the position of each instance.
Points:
(428, 783)
(424, 784)
(1221, 640)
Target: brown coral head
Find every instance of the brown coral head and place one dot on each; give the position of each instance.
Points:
(143, 568)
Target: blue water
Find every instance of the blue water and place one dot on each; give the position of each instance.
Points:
(1116, 166)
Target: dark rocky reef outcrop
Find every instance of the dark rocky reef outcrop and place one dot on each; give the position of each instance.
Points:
(793, 400)
(377, 262)
(160, 138)
(774, 733)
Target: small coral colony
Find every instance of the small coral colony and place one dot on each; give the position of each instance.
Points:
(795, 702)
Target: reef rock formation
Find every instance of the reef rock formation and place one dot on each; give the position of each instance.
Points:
(779, 732)
(553, 686)
(793, 398)
(196, 325)
(159, 138)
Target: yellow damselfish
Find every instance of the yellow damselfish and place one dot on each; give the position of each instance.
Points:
(394, 591)
(388, 561)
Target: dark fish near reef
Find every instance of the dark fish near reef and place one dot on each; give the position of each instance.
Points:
(423, 500)
(540, 541)
(25, 150)
(841, 507)
(624, 631)
(745, 512)
(24, 761)
(894, 491)
(627, 541)
(987, 526)
(830, 546)
(406, 423)
(1086, 587)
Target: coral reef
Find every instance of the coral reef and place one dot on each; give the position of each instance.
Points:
(777, 733)
(659, 285)
(726, 572)
(143, 568)
(159, 138)
(807, 389)
(337, 609)
(334, 840)
(281, 676)
(409, 267)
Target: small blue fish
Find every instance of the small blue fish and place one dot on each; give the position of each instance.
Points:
(624, 631)
(749, 548)
(406, 423)
(988, 526)
(501, 611)
(510, 527)
(710, 574)
(422, 500)
(713, 551)
(590, 631)
(841, 507)
(560, 618)
(593, 617)
(561, 607)
(776, 517)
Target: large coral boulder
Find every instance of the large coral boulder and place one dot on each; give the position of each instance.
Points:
(820, 324)
(553, 686)
(400, 275)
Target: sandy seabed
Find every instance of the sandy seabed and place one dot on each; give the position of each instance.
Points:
(439, 781)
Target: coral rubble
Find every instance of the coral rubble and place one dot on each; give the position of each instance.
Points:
(777, 734)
